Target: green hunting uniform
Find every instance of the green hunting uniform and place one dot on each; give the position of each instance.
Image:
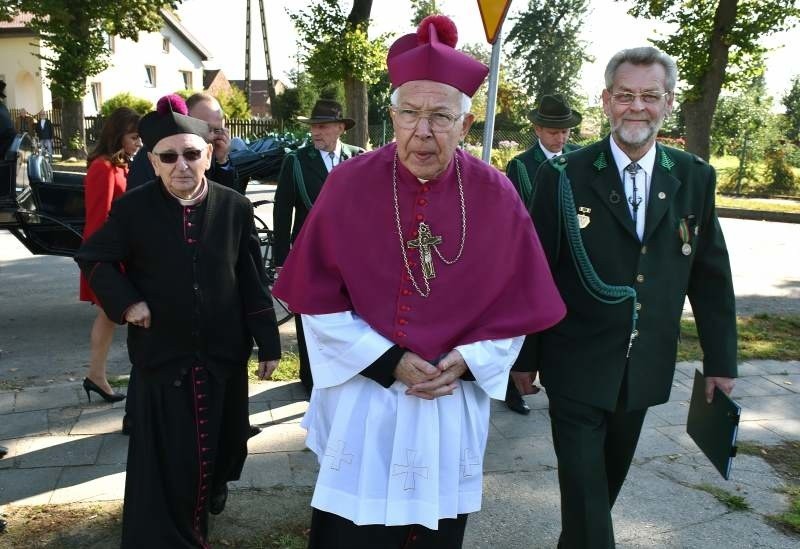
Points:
(293, 198)
(598, 397)
(523, 167)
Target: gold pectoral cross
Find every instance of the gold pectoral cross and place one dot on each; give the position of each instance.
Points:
(424, 242)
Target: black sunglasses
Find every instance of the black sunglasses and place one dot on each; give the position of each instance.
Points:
(171, 157)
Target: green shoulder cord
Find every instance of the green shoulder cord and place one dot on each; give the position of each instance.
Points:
(599, 290)
(525, 186)
(299, 181)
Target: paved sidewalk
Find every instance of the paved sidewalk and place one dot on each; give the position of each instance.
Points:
(63, 450)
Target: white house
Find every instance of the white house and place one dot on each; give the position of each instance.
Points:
(159, 63)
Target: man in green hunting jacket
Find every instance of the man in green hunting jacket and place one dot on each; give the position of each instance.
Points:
(552, 120)
(639, 219)
(299, 183)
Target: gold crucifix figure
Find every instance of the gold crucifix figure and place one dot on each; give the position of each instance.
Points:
(424, 242)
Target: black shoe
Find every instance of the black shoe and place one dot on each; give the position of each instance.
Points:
(218, 500)
(126, 425)
(518, 405)
(254, 430)
(2, 526)
(3, 452)
(89, 385)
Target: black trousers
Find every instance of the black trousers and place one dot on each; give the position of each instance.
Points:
(330, 531)
(302, 350)
(594, 448)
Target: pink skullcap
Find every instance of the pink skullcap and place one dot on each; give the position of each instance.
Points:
(430, 54)
(171, 103)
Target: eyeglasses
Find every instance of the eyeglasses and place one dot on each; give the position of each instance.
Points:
(648, 98)
(190, 155)
(439, 121)
(217, 131)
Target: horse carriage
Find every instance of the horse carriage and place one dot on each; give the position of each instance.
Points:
(44, 209)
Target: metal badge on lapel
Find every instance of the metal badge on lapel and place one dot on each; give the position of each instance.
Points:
(613, 197)
(583, 216)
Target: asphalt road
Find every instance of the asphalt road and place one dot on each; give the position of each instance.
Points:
(44, 329)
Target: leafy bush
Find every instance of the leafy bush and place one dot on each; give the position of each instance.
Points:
(125, 99)
(793, 155)
(234, 103)
(778, 172)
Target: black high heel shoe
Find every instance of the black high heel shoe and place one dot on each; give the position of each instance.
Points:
(89, 385)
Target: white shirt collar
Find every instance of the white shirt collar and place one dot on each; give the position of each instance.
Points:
(646, 162)
(548, 154)
(337, 153)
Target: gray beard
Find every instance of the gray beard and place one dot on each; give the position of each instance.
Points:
(636, 138)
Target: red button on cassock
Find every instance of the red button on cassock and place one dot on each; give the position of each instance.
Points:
(399, 333)
(422, 202)
(405, 308)
(402, 321)
(406, 291)
(420, 217)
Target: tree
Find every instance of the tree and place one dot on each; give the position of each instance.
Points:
(335, 48)
(716, 45)
(544, 47)
(792, 103)
(422, 9)
(234, 103)
(742, 126)
(76, 33)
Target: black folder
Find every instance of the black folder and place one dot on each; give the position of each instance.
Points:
(713, 427)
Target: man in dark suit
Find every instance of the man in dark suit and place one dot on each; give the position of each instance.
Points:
(302, 175)
(552, 121)
(7, 131)
(44, 131)
(194, 295)
(630, 229)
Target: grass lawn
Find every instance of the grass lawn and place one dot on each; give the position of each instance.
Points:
(761, 336)
(759, 204)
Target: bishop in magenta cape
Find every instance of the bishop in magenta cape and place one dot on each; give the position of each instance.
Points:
(348, 257)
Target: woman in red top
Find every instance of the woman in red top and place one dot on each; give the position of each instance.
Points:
(106, 180)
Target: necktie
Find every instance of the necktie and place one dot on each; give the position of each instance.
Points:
(332, 157)
(636, 198)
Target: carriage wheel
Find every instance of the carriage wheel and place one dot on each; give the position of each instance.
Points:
(265, 235)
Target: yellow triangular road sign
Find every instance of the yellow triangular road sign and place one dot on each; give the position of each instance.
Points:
(493, 12)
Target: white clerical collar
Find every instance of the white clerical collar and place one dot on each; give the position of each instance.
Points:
(646, 162)
(198, 198)
(548, 154)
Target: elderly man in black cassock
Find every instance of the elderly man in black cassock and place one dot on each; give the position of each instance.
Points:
(179, 261)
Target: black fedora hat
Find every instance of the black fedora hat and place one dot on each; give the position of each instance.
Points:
(326, 111)
(554, 112)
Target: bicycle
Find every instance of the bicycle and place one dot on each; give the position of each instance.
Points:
(267, 238)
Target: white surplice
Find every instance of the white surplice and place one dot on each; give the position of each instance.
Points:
(386, 457)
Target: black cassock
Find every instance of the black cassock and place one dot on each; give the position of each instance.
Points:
(199, 269)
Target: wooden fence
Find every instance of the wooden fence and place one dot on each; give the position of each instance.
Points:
(245, 128)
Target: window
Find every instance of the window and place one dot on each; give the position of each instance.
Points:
(97, 95)
(150, 76)
(187, 80)
(109, 41)
(165, 45)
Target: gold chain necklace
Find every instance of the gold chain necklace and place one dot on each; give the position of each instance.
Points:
(426, 240)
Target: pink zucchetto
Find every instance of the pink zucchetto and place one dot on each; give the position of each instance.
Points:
(172, 103)
(430, 54)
